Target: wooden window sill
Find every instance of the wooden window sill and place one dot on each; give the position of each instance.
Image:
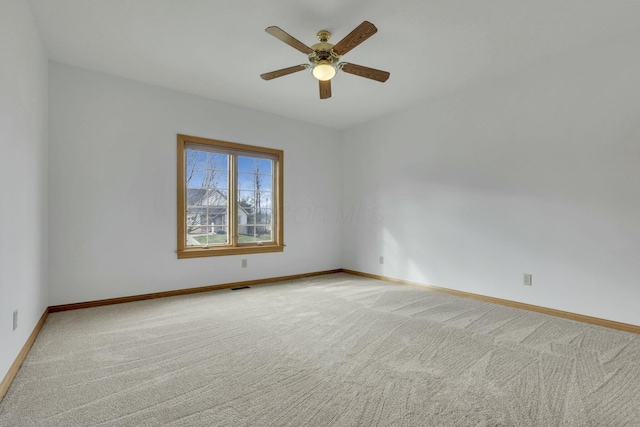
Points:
(238, 250)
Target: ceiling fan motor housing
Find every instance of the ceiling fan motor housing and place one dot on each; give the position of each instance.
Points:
(323, 53)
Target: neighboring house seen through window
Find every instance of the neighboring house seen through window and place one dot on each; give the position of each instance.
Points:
(229, 198)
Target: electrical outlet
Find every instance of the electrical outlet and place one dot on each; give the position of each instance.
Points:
(381, 259)
(244, 263)
(528, 279)
(15, 320)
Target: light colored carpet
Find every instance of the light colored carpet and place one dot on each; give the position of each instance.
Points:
(336, 350)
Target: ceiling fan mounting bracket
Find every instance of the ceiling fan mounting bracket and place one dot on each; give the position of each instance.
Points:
(323, 36)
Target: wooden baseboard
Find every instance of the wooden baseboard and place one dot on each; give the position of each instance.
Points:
(558, 313)
(15, 367)
(550, 311)
(132, 298)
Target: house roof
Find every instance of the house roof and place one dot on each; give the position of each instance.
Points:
(204, 197)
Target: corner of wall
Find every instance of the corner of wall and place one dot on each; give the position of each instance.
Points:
(23, 179)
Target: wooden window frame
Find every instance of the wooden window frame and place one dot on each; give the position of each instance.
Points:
(234, 247)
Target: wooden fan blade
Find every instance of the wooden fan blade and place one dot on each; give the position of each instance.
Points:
(283, 72)
(289, 39)
(355, 37)
(325, 89)
(369, 73)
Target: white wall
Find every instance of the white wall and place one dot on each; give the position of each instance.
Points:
(113, 188)
(23, 172)
(535, 173)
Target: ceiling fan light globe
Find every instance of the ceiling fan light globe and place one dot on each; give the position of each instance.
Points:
(324, 72)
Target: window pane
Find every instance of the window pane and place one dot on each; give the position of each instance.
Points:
(246, 181)
(207, 181)
(216, 174)
(257, 228)
(217, 235)
(263, 217)
(196, 196)
(196, 159)
(199, 234)
(248, 164)
(196, 221)
(196, 177)
(255, 197)
(250, 237)
(195, 169)
(254, 173)
(255, 182)
(206, 170)
(218, 161)
(216, 198)
(266, 182)
(207, 236)
(265, 199)
(246, 198)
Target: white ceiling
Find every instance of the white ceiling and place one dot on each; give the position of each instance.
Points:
(218, 48)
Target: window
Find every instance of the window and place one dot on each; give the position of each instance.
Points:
(229, 198)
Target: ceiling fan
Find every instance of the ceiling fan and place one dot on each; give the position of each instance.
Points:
(324, 57)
